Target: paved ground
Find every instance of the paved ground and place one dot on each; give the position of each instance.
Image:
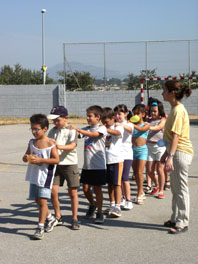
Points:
(137, 237)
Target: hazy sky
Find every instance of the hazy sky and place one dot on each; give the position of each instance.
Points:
(88, 20)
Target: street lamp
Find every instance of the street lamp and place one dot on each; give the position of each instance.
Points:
(44, 67)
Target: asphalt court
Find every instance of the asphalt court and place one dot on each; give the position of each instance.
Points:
(137, 237)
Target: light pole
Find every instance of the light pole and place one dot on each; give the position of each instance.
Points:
(44, 67)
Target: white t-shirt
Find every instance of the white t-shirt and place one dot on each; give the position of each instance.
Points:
(94, 149)
(127, 142)
(114, 150)
(65, 136)
(40, 174)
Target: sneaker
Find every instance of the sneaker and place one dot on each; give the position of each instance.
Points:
(160, 195)
(155, 190)
(50, 224)
(108, 210)
(122, 204)
(99, 218)
(91, 211)
(39, 233)
(148, 189)
(116, 212)
(59, 221)
(128, 205)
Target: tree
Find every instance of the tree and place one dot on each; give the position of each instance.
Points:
(18, 75)
(78, 81)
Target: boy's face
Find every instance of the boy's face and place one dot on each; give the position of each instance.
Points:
(92, 119)
(38, 131)
(108, 122)
(60, 122)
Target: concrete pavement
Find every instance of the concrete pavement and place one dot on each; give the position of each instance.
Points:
(137, 237)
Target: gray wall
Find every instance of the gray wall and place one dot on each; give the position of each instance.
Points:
(25, 100)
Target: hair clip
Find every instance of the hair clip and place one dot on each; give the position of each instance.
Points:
(154, 103)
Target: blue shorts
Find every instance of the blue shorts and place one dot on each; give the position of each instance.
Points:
(126, 170)
(39, 192)
(140, 153)
(114, 173)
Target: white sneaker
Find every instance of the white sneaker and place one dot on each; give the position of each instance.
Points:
(122, 204)
(128, 205)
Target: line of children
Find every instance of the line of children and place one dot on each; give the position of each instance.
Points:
(108, 157)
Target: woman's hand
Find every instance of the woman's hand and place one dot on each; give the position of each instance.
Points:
(169, 164)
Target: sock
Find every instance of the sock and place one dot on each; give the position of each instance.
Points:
(112, 204)
(49, 217)
(40, 225)
(117, 206)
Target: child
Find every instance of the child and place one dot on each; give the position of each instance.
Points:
(67, 169)
(41, 155)
(140, 150)
(121, 114)
(114, 157)
(155, 152)
(94, 168)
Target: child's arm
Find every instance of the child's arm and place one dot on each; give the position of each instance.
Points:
(68, 147)
(160, 126)
(126, 127)
(85, 132)
(25, 157)
(142, 129)
(54, 158)
(113, 132)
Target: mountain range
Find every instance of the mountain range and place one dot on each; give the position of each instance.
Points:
(95, 71)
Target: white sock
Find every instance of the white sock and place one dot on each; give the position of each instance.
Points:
(40, 225)
(117, 206)
(112, 204)
(49, 217)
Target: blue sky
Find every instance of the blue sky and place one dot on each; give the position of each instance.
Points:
(88, 20)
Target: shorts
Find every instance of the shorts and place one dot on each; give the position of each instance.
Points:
(140, 153)
(155, 152)
(39, 192)
(126, 170)
(93, 177)
(69, 173)
(114, 173)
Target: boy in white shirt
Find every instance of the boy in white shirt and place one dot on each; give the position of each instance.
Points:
(114, 159)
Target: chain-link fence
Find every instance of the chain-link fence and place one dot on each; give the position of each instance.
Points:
(106, 60)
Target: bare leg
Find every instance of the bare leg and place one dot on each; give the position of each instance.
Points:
(73, 193)
(111, 192)
(161, 176)
(99, 197)
(55, 200)
(140, 164)
(118, 193)
(43, 209)
(88, 193)
(150, 170)
(126, 190)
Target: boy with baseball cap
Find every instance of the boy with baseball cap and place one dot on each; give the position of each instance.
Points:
(67, 169)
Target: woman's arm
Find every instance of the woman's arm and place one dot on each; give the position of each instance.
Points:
(173, 147)
(160, 126)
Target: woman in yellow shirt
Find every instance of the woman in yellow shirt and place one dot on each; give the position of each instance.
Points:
(178, 154)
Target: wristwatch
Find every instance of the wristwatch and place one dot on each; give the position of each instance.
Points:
(170, 154)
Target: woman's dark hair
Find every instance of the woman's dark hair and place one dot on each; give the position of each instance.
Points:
(139, 108)
(158, 103)
(40, 119)
(123, 108)
(180, 89)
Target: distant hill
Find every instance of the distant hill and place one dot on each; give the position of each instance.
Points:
(96, 72)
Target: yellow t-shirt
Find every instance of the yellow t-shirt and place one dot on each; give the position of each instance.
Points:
(178, 122)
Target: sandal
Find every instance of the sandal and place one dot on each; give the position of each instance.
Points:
(138, 200)
(75, 225)
(148, 189)
(178, 230)
(169, 224)
(167, 185)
